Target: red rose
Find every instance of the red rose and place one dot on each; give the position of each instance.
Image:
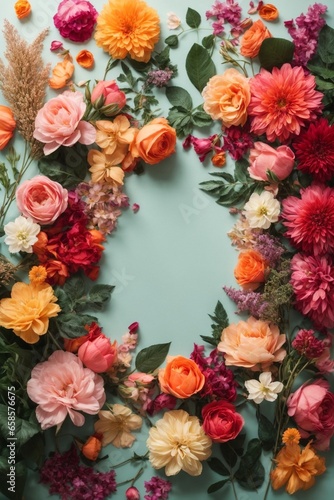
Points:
(221, 422)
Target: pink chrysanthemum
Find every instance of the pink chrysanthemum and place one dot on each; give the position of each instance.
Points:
(283, 102)
(310, 220)
(312, 280)
(315, 150)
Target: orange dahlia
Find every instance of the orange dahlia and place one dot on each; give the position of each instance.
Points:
(129, 27)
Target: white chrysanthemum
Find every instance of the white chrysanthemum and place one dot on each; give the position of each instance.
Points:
(178, 442)
(21, 234)
(261, 210)
(263, 388)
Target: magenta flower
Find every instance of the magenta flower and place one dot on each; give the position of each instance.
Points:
(308, 345)
(75, 19)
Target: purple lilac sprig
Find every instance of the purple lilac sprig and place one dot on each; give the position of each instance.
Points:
(270, 248)
(251, 302)
(157, 488)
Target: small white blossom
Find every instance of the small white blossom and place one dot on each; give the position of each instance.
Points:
(263, 388)
(261, 210)
(21, 234)
(173, 21)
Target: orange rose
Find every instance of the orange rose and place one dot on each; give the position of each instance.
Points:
(253, 38)
(226, 97)
(155, 141)
(268, 12)
(62, 73)
(85, 58)
(250, 269)
(7, 125)
(181, 378)
(219, 159)
(22, 9)
(92, 447)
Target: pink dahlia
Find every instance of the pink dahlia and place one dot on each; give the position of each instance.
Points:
(61, 386)
(312, 280)
(315, 150)
(310, 220)
(282, 102)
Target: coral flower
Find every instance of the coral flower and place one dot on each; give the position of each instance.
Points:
(178, 442)
(129, 27)
(283, 102)
(310, 220)
(28, 310)
(296, 468)
(115, 425)
(62, 73)
(315, 150)
(116, 134)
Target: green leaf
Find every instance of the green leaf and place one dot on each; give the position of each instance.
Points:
(233, 449)
(162, 58)
(201, 119)
(193, 18)
(217, 486)
(274, 52)
(323, 85)
(241, 170)
(323, 71)
(99, 295)
(150, 358)
(73, 325)
(128, 75)
(266, 432)
(325, 47)
(209, 340)
(217, 466)
(74, 288)
(200, 67)
(208, 41)
(250, 478)
(67, 165)
(178, 96)
(172, 41)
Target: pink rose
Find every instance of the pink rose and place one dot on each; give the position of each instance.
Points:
(263, 157)
(312, 408)
(98, 353)
(58, 122)
(107, 97)
(75, 19)
(41, 199)
(221, 422)
(61, 386)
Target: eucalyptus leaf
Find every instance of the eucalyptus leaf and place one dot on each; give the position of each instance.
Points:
(274, 52)
(217, 466)
(178, 96)
(193, 18)
(217, 486)
(150, 358)
(200, 67)
(250, 478)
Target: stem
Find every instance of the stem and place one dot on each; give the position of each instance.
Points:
(134, 479)
(234, 490)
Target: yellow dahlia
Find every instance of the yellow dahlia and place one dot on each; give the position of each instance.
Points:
(129, 27)
(28, 310)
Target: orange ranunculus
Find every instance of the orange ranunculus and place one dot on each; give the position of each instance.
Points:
(22, 9)
(296, 468)
(250, 269)
(62, 73)
(181, 378)
(226, 97)
(85, 58)
(28, 310)
(72, 345)
(219, 159)
(252, 344)
(7, 125)
(253, 38)
(268, 12)
(92, 447)
(155, 141)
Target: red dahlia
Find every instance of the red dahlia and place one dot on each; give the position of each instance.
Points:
(315, 151)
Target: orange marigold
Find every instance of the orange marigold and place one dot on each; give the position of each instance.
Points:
(290, 436)
(37, 275)
(129, 27)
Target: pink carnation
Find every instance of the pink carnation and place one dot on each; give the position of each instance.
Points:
(61, 386)
(58, 122)
(310, 219)
(75, 19)
(312, 280)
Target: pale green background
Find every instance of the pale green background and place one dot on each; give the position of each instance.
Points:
(170, 260)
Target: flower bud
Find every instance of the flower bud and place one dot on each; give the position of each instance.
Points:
(105, 94)
(132, 493)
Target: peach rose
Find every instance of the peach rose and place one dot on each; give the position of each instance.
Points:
(155, 141)
(251, 41)
(7, 125)
(226, 97)
(181, 378)
(41, 199)
(85, 58)
(252, 344)
(22, 9)
(268, 12)
(263, 157)
(62, 73)
(250, 269)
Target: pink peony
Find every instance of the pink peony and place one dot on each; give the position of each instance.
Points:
(312, 408)
(312, 280)
(282, 102)
(310, 219)
(41, 199)
(75, 19)
(107, 96)
(264, 158)
(58, 122)
(61, 386)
